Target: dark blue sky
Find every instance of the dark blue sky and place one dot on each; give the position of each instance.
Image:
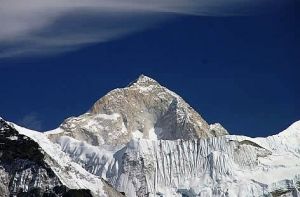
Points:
(240, 71)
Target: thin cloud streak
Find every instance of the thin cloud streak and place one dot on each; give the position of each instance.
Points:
(35, 27)
(31, 121)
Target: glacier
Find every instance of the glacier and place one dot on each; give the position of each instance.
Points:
(217, 166)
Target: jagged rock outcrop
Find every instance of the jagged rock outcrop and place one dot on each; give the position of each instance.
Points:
(23, 171)
(22, 165)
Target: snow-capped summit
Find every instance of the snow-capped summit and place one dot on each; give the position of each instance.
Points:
(144, 109)
(143, 80)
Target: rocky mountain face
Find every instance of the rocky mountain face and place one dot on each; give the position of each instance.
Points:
(145, 140)
(144, 109)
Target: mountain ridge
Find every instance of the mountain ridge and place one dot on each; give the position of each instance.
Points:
(145, 140)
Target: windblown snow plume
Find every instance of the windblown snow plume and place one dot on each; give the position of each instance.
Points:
(54, 26)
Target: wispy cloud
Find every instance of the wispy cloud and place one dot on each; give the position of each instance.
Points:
(31, 121)
(35, 27)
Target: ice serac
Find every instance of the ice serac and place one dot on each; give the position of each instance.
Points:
(143, 109)
(227, 165)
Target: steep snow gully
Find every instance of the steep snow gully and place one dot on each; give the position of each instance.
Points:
(145, 140)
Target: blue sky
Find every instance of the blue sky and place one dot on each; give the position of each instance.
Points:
(241, 71)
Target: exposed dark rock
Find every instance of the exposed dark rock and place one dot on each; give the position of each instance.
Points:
(23, 166)
(78, 193)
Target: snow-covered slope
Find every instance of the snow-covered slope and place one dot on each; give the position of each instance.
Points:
(145, 140)
(70, 173)
(30, 164)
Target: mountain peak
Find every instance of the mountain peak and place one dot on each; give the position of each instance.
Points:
(144, 109)
(143, 80)
(145, 140)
